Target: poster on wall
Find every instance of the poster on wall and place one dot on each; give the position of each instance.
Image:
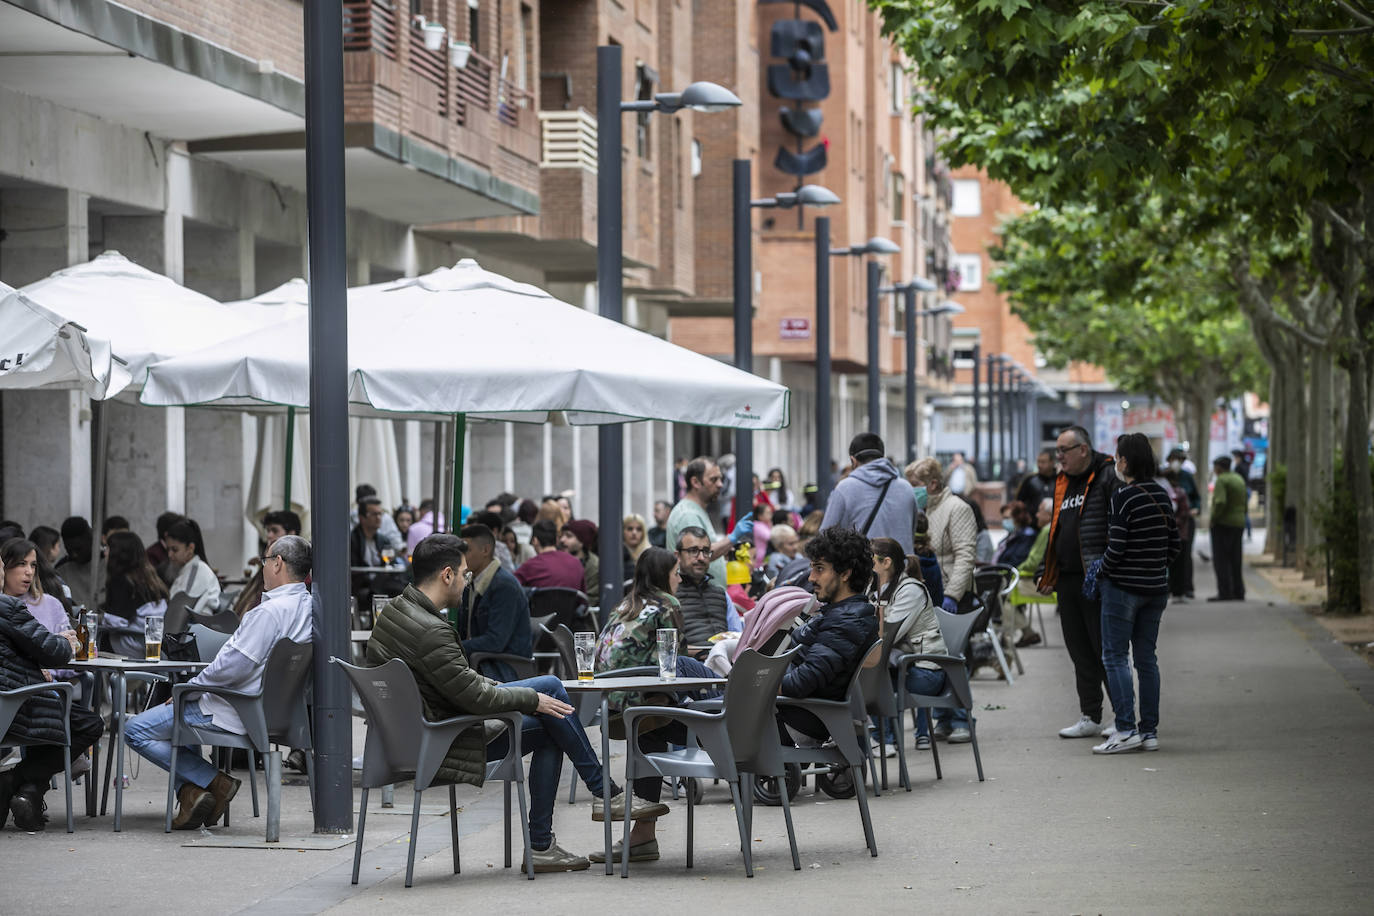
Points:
(1107, 426)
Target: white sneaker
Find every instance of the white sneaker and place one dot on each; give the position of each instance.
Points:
(1109, 729)
(1083, 728)
(888, 750)
(1120, 744)
(1149, 742)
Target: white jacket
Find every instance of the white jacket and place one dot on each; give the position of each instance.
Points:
(199, 581)
(954, 538)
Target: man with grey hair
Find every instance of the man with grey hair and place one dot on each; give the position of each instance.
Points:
(285, 613)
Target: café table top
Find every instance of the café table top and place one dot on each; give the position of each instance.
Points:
(641, 683)
(394, 568)
(118, 663)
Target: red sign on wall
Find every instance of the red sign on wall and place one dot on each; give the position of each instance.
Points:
(794, 328)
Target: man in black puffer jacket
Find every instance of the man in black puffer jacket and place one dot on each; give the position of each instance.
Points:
(26, 649)
(705, 609)
(833, 642)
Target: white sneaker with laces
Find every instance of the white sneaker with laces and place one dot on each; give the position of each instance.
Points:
(1120, 743)
(1149, 742)
(1083, 728)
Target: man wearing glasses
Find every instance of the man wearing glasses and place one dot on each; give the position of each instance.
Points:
(706, 609)
(1078, 538)
(285, 613)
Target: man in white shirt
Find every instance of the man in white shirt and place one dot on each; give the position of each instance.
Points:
(285, 613)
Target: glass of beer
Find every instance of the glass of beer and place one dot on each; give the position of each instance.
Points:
(152, 639)
(667, 654)
(584, 646)
(387, 556)
(379, 603)
(92, 628)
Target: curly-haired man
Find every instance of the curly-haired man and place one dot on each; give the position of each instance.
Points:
(833, 642)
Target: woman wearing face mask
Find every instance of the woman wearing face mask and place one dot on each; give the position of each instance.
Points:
(1020, 535)
(1142, 540)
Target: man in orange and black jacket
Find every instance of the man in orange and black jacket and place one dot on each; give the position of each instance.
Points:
(1078, 537)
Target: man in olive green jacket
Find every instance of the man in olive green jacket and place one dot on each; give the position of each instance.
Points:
(1227, 526)
(413, 628)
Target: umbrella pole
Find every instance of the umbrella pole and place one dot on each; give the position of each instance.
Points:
(100, 459)
(290, 453)
(460, 428)
(437, 491)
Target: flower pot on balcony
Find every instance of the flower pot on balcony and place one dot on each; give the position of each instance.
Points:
(458, 54)
(434, 35)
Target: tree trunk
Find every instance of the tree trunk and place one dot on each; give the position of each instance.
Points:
(1359, 490)
(1321, 461)
(1273, 514)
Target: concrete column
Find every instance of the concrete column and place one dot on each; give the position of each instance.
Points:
(414, 481)
(47, 462)
(508, 464)
(248, 264)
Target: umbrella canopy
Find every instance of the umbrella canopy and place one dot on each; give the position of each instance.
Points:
(145, 316)
(40, 349)
(463, 340)
(276, 305)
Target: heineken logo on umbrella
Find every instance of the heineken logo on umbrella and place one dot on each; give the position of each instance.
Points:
(746, 414)
(7, 363)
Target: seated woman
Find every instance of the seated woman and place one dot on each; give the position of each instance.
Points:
(630, 640)
(24, 580)
(28, 653)
(133, 590)
(1020, 529)
(186, 548)
(908, 608)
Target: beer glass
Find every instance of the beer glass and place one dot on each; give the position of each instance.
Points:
(92, 625)
(152, 639)
(584, 646)
(379, 603)
(667, 654)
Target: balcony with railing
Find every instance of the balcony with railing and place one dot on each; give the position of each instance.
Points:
(472, 115)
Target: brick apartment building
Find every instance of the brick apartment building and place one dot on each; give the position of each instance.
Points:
(172, 131)
(1056, 397)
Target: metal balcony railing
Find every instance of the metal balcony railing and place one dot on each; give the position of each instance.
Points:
(567, 140)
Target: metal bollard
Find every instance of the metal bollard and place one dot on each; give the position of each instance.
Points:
(274, 796)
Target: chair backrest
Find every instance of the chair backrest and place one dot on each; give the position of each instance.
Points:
(225, 622)
(208, 641)
(178, 616)
(567, 657)
(854, 745)
(876, 681)
(750, 714)
(567, 605)
(395, 719)
(955, 629)
(283, 688)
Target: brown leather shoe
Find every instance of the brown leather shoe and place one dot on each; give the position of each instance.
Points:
(223, 787)
(193, 807)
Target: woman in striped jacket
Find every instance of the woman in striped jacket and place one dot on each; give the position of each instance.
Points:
(1142, 541)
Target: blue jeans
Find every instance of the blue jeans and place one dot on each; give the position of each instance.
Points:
(927, 682)
(1130, 629)
(150, 735)
(549, 739)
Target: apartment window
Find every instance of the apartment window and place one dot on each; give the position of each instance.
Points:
(474, 26)
(696, 158)
(524, 45)
(645, 77)
(963, 358)
(968, 197)
(897, 85)
(896, 315)
(970, 267)
(898, 197)
(677, 162)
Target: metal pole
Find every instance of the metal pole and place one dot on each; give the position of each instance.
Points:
(437, 493)
(977, 455)
(1004, 416)
(326, 221)
(609, 289)
(290, 454)
(909, 294)
(823, 408)
(875, 418)
(460, 428)
(994, 422)
(744, 325)
(100, 464)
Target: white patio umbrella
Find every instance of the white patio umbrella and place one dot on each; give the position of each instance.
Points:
(145, 316)
(40, 349)
(463, 340)
(276, 305)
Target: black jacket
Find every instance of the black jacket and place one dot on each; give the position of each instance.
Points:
(498, 620)
(26, 647)
(704, 610)
(832, 644)
(1092, 516)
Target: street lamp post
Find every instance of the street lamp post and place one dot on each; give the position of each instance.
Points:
(806, 196)
(977, 419)
(910, 314)
(326, 219)
(700, 96)
(823, 417)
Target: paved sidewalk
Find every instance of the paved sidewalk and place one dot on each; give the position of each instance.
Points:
(1256, 802)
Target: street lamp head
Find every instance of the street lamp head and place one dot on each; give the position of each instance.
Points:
(878, 245)
(813, 195)
(922, 285)
(699, 96)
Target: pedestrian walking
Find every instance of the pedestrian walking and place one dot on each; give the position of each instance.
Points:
(1078, 539)
(1228, 525)
(1142, 540)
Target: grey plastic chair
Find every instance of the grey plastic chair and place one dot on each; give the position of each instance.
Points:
(958, 694)
(847, 722)
(403, 744)
(225, 622)
(588, 705)
(10, 703)
(562, 639)
(880, 699)
(569, 606)
(993, 584)
(734, 744)
(276, 714)
(524, 667)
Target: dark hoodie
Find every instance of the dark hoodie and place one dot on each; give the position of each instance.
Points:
(854, 497)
